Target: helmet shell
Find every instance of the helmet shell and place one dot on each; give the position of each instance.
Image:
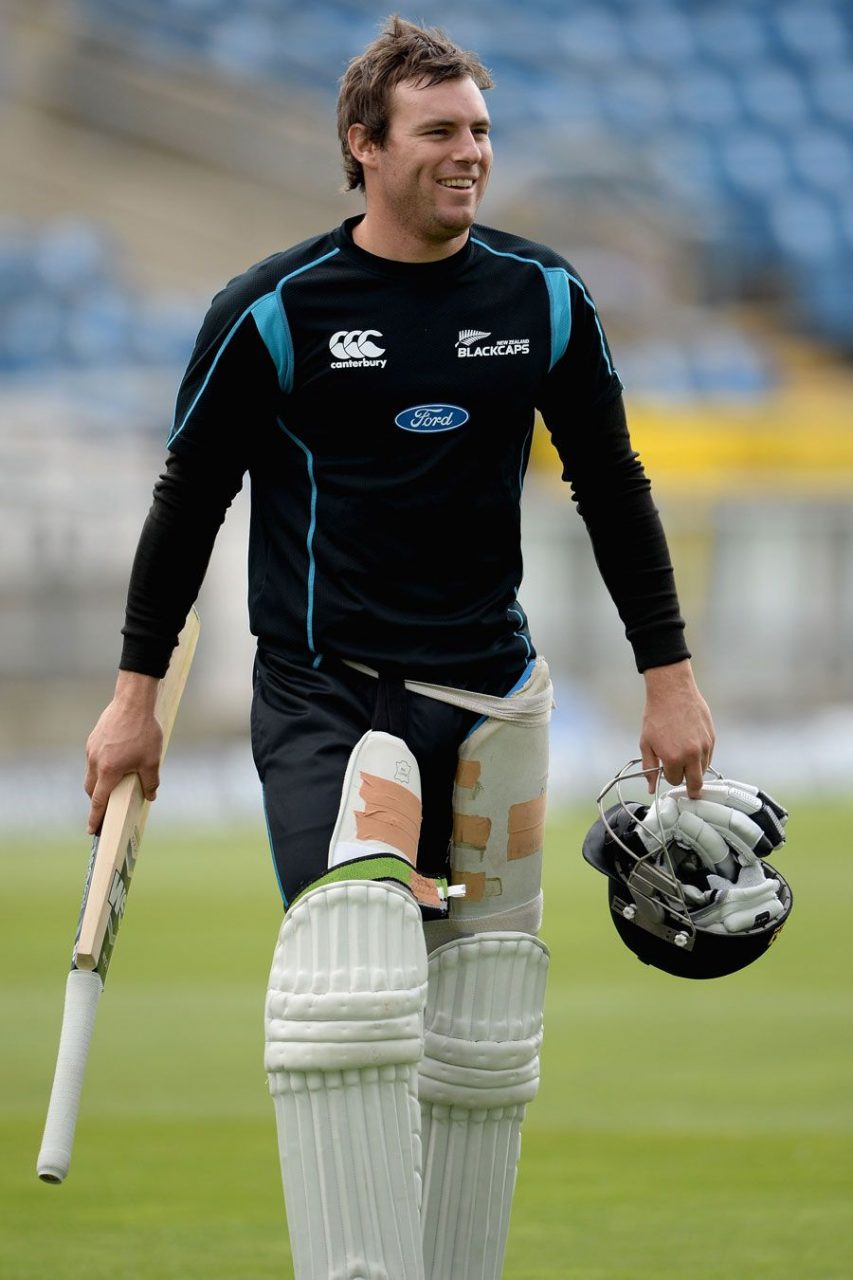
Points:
(712, 955)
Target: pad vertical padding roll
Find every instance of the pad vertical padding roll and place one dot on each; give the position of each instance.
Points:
(344, 1035)
(480, 1069)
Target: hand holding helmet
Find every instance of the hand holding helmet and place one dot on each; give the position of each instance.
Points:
(689, 891)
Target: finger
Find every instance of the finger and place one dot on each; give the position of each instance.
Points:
(97, 811)
(693, 773)
(694, 776)
(673, 771)
(104, 783)
(651, 764)
(150, 781)
(708, 756)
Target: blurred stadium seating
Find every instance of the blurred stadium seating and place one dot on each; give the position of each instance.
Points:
(743, 112)
(730, 124)
(66, 303)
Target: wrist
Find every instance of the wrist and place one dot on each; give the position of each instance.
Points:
(674, 675)
(137, 690)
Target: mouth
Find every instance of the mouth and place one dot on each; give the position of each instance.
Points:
(457, 184)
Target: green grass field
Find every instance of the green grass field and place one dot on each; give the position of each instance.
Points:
(682, 1130)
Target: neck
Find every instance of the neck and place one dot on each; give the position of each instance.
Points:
(400, 245)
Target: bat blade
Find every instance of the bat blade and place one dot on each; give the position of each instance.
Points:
(111, 865)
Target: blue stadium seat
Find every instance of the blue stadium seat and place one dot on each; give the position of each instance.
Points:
(637, 101)
(729, 33)
(661, 35)
(753, 162)
(705, 97)
(813, 31)
(65, 304)
(775, 95)
(832, 87)
(590, 36)
(804, 227)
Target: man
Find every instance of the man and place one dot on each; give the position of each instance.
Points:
(379, 384)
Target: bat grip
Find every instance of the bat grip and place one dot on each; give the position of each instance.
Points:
(82, 992)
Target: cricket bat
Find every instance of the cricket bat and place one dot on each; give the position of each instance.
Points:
(111, 864)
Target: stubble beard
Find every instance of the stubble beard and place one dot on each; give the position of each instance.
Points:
(441, 227)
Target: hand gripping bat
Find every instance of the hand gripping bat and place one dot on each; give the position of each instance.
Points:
(111, 864)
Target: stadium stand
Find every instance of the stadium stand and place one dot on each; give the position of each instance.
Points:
(65, 303)
(744, 112)
(729, 125)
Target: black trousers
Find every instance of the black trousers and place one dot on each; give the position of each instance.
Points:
(305, 723)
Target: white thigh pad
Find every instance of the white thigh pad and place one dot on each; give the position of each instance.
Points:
(380, 809)
(379, 822)
(499, 821)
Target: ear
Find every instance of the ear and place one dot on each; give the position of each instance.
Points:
(362, 148)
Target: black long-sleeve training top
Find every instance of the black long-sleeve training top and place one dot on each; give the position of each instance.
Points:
(384, 411)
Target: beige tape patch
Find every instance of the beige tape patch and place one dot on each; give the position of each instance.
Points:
(468, 774)
(426, 891)
(391, 813)
(526, 828)
(471, 830)
(474, 882)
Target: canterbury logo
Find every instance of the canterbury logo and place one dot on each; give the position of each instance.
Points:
(467, 336)
(355, 344)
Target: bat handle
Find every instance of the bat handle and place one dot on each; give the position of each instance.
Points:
(82, 992)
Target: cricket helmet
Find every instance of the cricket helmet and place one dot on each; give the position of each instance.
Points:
(688, 886)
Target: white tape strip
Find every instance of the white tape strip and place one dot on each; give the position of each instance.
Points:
(521, 707)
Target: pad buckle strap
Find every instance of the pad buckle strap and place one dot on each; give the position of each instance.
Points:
(432, 892)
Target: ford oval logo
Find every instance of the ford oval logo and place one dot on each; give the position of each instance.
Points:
(432, 417)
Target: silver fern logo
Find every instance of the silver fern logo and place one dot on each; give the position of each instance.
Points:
(471, 344)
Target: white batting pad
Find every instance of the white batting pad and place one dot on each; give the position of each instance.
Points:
(480, 1069)
(344, 1035)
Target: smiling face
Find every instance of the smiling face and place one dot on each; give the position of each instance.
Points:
(425, 183)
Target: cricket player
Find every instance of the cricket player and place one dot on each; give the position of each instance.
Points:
(378, 384)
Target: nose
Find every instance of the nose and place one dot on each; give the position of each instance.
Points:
(469, 148)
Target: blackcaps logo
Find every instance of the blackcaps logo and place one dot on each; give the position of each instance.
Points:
(472, 343)
(355, 350)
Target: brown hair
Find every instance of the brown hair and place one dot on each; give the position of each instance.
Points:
(403, 51)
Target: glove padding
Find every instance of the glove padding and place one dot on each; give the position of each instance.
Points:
(748, 903)
(731, 824)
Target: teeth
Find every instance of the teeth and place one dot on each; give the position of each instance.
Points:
(463, 183)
